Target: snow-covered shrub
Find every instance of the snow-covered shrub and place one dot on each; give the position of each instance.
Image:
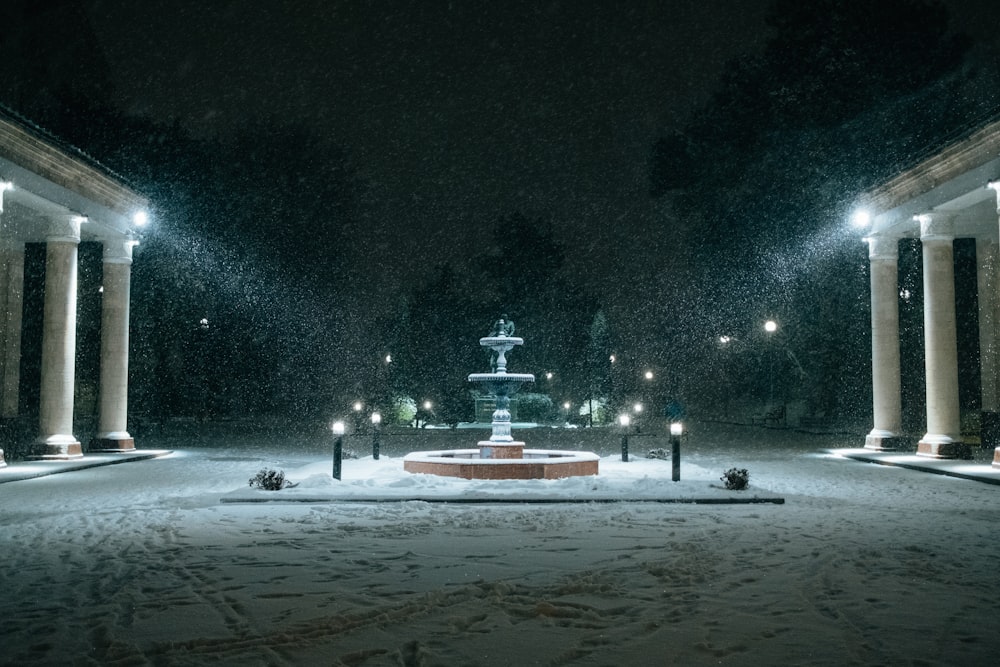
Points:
(404, 409)
(534, 407)
(736, 479)
(268, 480)
(603, 414)
(659, 453)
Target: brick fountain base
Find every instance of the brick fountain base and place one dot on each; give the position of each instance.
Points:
(527, 464)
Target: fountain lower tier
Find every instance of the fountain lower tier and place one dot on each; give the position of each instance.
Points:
(534, 464)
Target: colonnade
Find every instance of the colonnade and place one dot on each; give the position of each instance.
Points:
(943, 437)
(56, 438)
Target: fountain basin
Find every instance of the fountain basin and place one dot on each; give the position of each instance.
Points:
(506, 379)
(535, 464)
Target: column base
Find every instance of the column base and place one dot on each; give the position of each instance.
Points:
(112, 445)
(886, 441)
(942, 447)
(60, 450)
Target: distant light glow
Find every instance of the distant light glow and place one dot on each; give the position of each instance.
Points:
(637, 407)
(376, 418)
(648, 375)
(338, 427)
(861, 218)
(140, 218)
(770, 326)
(624, 420)
(358, 405)
(548, 376)
(725, 340)
(566, 405)
(388, 358)
(428, 405)
(676, 428)
(612, 358)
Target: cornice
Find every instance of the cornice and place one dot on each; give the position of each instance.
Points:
(33, 154)
(974, 151)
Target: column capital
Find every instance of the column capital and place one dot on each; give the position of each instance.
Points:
(65, 228)
(936, 226)
(119, 250)
(883, 246)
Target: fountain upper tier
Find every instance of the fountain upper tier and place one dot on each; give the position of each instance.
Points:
(501, 344)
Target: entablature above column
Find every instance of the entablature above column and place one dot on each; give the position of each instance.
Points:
(955, 181)
(41, 178)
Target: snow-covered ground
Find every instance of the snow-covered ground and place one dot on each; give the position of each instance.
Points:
(143, 563)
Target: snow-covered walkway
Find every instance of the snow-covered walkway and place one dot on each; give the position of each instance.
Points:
(143, 564)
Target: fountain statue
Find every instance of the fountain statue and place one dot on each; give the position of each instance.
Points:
(502, 457)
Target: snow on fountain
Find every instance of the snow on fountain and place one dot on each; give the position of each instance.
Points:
(502, 457)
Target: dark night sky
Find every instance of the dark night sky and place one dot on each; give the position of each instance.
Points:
(455, 111)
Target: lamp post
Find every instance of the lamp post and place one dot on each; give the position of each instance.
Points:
(425, 412)
(676, 428)
(624, 420)
(376, 433)
(357, 417)
(338, 447)
(770, 327)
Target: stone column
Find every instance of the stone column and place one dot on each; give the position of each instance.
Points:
(111, 429)
(989, 353)
(11, 300)
(943, 438)
(11, 305)
(987, 426)
(55, 423)
(883, 255)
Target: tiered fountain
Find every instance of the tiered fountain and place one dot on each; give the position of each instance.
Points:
(502, 457)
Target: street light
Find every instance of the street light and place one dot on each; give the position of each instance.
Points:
(648, 375)
(861, 218)
(676, 429)
(624, 420)
(376, 433)
(338, 447)
(770, 327)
